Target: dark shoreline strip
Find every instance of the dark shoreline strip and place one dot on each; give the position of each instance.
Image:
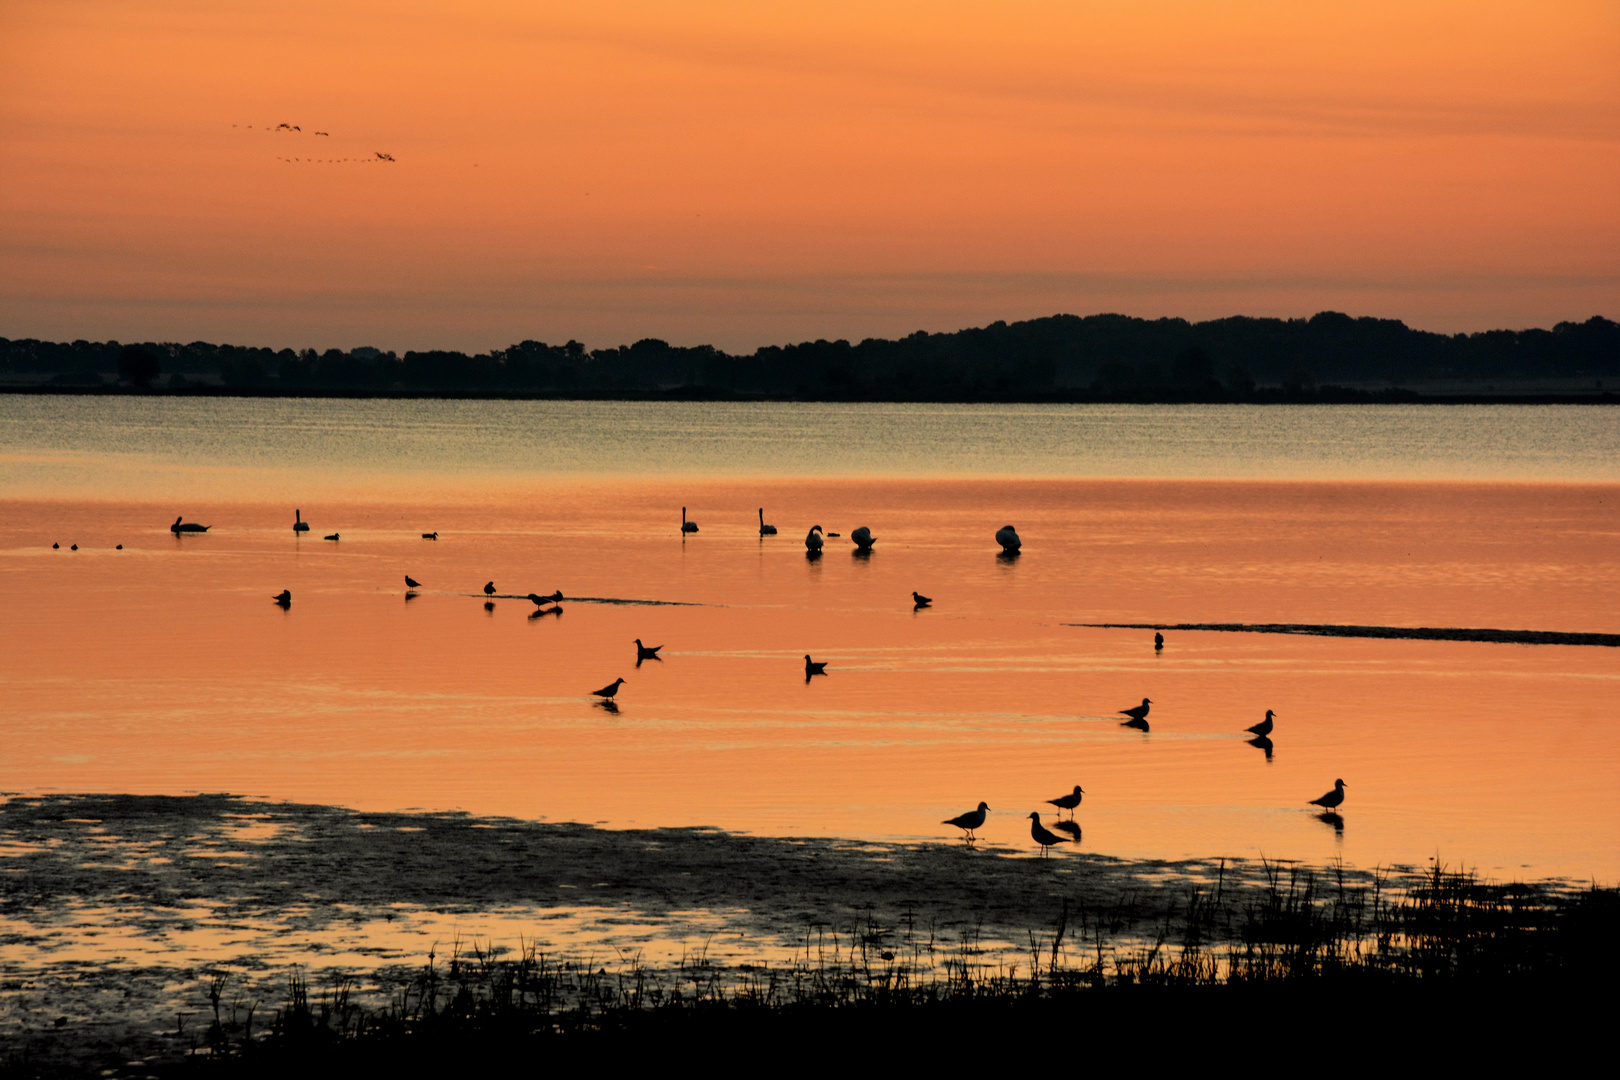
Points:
(591, 600)
(1419, 633)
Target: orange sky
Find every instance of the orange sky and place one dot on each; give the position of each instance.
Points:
(751, 173)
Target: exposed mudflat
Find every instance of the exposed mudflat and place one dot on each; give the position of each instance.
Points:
(1411, 633)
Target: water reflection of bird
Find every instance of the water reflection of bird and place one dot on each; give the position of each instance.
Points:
(489, 588)
(920, 600)
(1138, 715)
(1328, 817)
(863, 538)
(969, 821)
(1068, 827)
(687, 526)
(299, 524)
(1260, 742)
(188, 527)
(1158, 641)
(1333, 799)
(1042, 835)
(764, 529)
(1263, 728)
(284, 598)
(610, 690)
(1007, 537)
(813, 667)
(812, 539)
(1070, 801)
(412, 583)
(647, 652)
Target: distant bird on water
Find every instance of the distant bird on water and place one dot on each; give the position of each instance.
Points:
(863, 538)
(1263, 728)
(764, 529)
(430, 536)
(687, 526)
(334, 536)
(190, 526)
(1138, 715)
(412, 583)
(919, 600)
(1158, 642)
(1007, 537)
(283, 598)
(299, 524)
(969, 821)
(489, 588)
(647, 652)
(813, 667)
(1333, 799)
(812, 539)
(1070, 801)
(1042, 835)
(607, 692)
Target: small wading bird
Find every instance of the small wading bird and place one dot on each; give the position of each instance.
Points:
(299, 524)
(812, 540)
(813, 667)
(919, 600)
(764, 529)
(863, 539)
(1263, 728)
(190, 526)
(334, 536)
(1333, 799)
(283, 598)
(611, 690)
(1007, 537)
(1138, 716)
(1070, 801)
(412, 583)
(1158, 642)
(969, 821)
(646, 652)
(430, 536)
(1042, 835)
(687, 526)
(489, 588)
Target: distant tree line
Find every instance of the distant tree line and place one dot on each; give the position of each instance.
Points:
(1329, 356)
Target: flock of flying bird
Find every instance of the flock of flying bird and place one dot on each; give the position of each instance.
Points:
(863, 539)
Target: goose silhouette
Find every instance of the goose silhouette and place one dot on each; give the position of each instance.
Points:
(813, 667)
(1007, 537)
(687, 526)
(188, 527)
(609, 691)
(412, 583)
(863, 538)
(647, 652)
(969, 821)
(812, 539)
(1333, 799)
(1263, 728)
(299, 524)
(919, 600)
(1042, 835)
(1070, 801)
(764, 529)
(283, 598)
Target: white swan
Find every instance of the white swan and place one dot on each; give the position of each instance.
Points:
(812, 539)
(764, 529)
(1007, 537)
(299, 524)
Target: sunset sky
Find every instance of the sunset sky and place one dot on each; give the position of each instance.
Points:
(748, 173)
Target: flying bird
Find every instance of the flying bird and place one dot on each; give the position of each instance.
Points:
(969, 821)
(1333, 799)
(384, 157)
(1263, 728)
(1070, 801)
(1042, 835)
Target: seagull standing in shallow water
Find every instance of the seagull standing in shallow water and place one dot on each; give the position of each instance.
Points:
(609, 690)
(969, 821)
(920, 600)
(1138, 715)
(1333, 799)
(1263, 728)
(1042, 835)
(1070, 801)
(412, 583)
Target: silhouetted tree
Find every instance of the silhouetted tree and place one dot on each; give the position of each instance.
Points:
(138, 366)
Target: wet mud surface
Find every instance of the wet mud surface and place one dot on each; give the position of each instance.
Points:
(1410, 633)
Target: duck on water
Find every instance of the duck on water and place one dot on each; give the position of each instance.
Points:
(188, 527)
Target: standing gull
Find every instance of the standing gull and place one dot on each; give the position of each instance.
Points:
(1137, 714)
(919, 600)
(1263, 728)
(412, 583)
(489, 588)
(1333, 799)
(607, 692)
(969, 821)
(1070, 801)
(1042, 835)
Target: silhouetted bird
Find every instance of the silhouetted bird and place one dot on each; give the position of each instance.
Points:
(1007, 537)
(489, 588)
(1263, 728)
(1138, 713)
(1042, 835)
(920, 600)
(812, 539)
(610, 690)
(542, 601)
(430, 536)
(119, 548)
(813, 667)
(647, 652)
(284, 598)
(73, 547)
(863, 538)
(1158, 642)
(764, 529)
(1333, 799)
(299, 524)
(56, 547)
(1070, 801)
(687, 526)
(334, 536)
(969, 821)
(412, 583)
(1068, 827)
(190, 526)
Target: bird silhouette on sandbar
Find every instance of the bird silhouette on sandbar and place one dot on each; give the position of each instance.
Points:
(412, 583)
(283, 598)
(334, 536)
(969, 821)
(1070, 801)
(1068, 827)
(1333, 799)
(1042, 835)
(430, 536)
(610, 691)
(542, 601)
(863, 539)
(813, 667)
(918, 600)
(489, 588)
(1263, 728)
(764, 529)
(1158, 642)
(1007, 537)
(188, 527)
(646, 652)
(687, 526)
(1138, 715)
(813, 541)
(299, 524)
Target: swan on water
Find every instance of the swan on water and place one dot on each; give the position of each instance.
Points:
(764, 529)
(863, 538)
(812, 539)
(1007, 537)
(299, 524)
(190, 526)
(687, 526)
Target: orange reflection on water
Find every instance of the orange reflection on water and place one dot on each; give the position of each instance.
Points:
(165, 667)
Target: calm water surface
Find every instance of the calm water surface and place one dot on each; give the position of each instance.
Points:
(165, 668)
